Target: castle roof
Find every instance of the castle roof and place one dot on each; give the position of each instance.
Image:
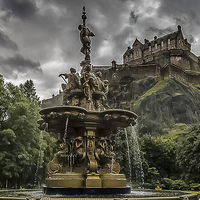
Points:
(170, 36)
(137, 42)
(159, 40)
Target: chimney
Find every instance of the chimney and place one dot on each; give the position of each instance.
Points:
(179, 28)
(155, 37)
(146, 41)
(113, 63)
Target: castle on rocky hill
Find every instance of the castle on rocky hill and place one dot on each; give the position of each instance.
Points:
(169, 56)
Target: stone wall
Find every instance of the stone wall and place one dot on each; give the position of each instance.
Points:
(178, 68)
(178, 73)
(56, 100)
(194, 62)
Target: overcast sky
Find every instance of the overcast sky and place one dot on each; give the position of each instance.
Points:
(39, 39)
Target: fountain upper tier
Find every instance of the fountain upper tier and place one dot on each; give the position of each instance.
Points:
(80, 117)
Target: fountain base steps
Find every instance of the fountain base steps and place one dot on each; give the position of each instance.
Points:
(74, 183)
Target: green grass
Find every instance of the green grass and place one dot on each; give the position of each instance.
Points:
(177, 130)
(192, 72)
(159, 86)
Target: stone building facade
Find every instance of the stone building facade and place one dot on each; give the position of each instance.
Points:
(165, 57)
(56, 100)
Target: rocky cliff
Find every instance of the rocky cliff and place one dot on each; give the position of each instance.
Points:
(159, 104)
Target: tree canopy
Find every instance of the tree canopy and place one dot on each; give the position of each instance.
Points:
(22, 145)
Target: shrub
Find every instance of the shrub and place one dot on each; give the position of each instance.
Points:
(195, 186)
(167, 183)
(179, 185)
(174, 184)
(151, 185)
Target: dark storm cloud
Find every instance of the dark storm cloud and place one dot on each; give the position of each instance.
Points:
(119, 39)
(160, 32)
(133, 17)
(19, 8)
(19, 63)
(6, 17)
(191, 39)
(6, 42)
(184, 11)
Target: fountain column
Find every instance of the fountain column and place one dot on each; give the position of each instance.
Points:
(93, 180)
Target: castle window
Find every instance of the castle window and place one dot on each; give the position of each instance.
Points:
(162, 44)
(149, 48)
(156, 46)
(168, 41)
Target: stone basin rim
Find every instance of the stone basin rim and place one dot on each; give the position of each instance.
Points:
(77, 108)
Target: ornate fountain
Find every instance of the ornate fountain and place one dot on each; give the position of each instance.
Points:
(85, 125)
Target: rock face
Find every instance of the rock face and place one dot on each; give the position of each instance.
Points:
(159, 104)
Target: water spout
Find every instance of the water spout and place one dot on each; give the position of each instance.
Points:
(71, 162)
(39, 157)
(140, 174)
(66, 125)
(112, 161)
(90, 106)
(46, 127)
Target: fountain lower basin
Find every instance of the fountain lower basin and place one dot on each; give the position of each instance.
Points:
(134, 195)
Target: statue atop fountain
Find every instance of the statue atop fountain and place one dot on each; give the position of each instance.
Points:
(85, 35)
(85, 125)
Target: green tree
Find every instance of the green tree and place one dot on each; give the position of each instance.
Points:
(23, 146)
(188, 154)
(159, 154)
(29, 91)
(4, 102)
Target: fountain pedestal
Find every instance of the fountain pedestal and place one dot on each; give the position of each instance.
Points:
(93, 181)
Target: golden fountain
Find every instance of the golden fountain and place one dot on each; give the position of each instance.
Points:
(85, 125)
